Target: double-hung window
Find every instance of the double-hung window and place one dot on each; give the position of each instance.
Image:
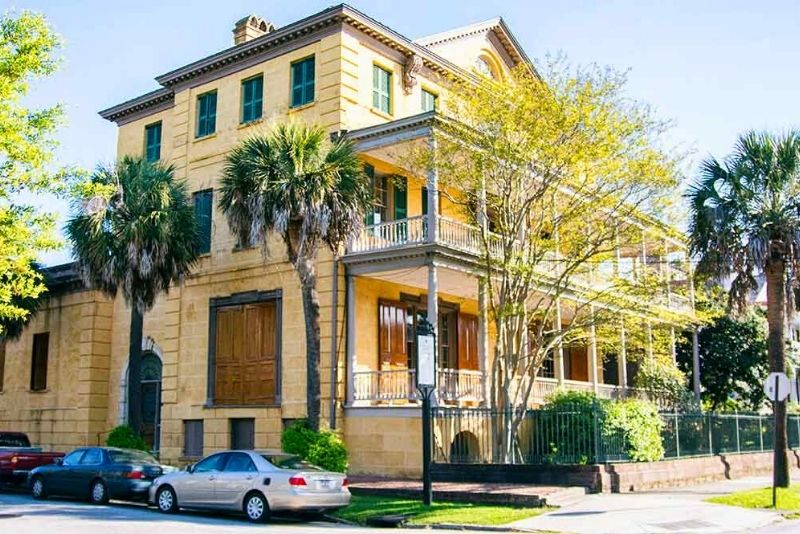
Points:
(252, 99)
(152, 142)
(429, 101)
(206, 114)
(203, 207)
(381, 89)
(303, 82)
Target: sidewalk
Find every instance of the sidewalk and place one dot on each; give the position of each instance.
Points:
(658, 511)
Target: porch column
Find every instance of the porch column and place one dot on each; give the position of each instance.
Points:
(351, 337)
(593, 353)
(696, 364)
(433, 199)
(483, 340)
(622, 367)
(560, 370)
(672, 349)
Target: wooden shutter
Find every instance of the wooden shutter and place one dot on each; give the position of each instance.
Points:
(243, 434)
(400, 187)
(193, 437)
(468, 342)
(227, 387)
(39, 361)
(260, 353)
(392, 334)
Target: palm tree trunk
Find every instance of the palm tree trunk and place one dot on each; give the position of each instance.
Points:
(135, 371)
(776, 317)
(308, 282)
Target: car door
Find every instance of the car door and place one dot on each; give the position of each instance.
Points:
(197, 488)
(235, 480)
(89, 467)
(60, 479)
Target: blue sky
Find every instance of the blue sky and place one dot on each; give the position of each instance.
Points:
(715, 68)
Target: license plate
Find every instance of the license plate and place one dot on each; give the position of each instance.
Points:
(325, 484)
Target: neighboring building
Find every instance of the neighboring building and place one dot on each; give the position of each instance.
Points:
(224, 362)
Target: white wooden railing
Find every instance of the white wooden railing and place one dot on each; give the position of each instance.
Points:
(544, 388)
(401, 384)
(392, 234)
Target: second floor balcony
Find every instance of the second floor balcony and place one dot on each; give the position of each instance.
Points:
(404, 235)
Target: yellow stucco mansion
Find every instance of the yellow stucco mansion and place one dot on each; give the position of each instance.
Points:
(64, 380)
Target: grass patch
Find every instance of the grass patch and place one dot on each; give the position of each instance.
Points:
(365, 506)
(788, 499)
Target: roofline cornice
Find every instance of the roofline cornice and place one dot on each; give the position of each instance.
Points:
(163, 95)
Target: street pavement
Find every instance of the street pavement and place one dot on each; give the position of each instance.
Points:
(19, 513)
(678, 510)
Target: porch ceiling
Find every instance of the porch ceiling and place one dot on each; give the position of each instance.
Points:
(457, 283)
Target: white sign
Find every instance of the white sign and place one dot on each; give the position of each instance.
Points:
(777, 386)
(426, 361)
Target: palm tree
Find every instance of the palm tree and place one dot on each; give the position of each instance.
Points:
(138, 236)
(745, 223)
(312, 193)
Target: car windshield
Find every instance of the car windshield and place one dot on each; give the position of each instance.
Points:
(13, 440)
(289, 461)
(131, 457)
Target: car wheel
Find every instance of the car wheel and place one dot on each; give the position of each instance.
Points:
(256, 508)
(166, 500)
(98, 493)
(38, 490)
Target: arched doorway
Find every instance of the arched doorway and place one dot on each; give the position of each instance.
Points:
(151, 399)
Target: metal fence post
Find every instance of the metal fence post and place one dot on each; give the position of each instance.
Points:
(677, 435)
(596, 433)
(736, 418)
(797, 424)
(710, 437)
(760, 434)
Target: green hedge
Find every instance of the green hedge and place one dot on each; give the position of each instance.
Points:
(566, 428)
(324, 448)
(124, 437)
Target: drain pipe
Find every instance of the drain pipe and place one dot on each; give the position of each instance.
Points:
(334, 352)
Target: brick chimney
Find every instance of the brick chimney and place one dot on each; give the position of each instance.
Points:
(249, 28)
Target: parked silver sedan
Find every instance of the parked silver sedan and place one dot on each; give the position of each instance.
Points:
(252, 482)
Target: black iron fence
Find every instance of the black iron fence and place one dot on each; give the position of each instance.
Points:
(574, 435)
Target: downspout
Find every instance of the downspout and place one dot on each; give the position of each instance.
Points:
(334, 352)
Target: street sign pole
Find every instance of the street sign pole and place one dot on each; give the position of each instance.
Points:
(775, 441)
(426, 383)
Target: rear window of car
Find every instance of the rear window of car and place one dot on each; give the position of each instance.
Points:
(14, 440)
(287, 461)
(131, 457)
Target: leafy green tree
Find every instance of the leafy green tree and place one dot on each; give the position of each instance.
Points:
(733, 360)
(136, 235)
(27, 52)
(745, 221)
(310, 192)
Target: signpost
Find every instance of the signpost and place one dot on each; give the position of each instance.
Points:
(776, 387)
(426, 383)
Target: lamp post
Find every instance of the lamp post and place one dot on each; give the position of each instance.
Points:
(426, 383)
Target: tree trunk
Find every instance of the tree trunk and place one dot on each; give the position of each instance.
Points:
(135, 371)
(776, 317)
(308, 281)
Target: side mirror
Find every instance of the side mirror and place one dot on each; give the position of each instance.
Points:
(59, 461)
(190, 468)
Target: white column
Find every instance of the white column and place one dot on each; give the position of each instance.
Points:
(696, 364)
(649, 340)
(593, 353)
(351, 337)
(622, 371)
(560, 371)
(483, 339)
(433, 198)
(433, 315)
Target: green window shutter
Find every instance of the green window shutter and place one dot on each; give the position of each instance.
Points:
(369, 170)
(152, 142)
(252, 99)
(424, 200)
(206, 114)
(381, 89)
(428, 101)
(203, 205)
(303, 82)
(400, 198)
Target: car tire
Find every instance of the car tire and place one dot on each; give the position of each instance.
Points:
(38, 488)
(98, 492)
(256, 508)
(166, 500)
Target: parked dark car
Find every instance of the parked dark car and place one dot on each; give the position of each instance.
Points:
(18, 458)
(97, 473)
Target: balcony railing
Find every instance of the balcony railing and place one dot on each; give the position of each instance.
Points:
(401, 385)
(544, 388)
(467, 238)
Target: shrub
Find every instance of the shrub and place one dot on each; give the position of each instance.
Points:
(662, 379)
(324, 449)
(639, 424)
(124, 437)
